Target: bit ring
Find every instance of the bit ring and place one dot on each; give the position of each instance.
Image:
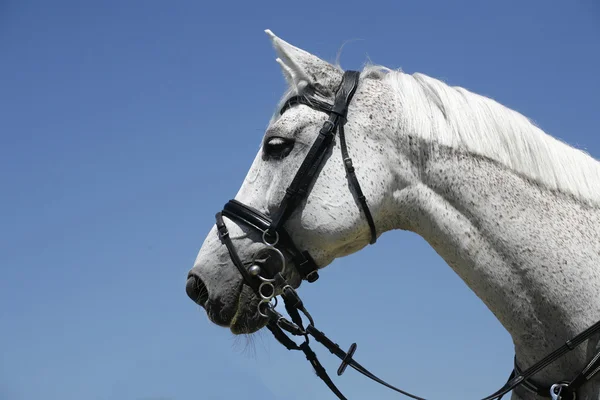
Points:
(271, 288)
(265, 241)
(268, 304)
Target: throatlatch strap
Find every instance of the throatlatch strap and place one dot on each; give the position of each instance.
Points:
(362, 200)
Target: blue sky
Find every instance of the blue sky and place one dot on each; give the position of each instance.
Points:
(125, 126)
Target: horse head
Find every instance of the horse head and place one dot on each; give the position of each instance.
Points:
(328, 221)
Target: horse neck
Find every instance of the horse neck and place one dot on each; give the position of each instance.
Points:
(531, 255)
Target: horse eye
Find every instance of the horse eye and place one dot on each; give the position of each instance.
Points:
(278, 147)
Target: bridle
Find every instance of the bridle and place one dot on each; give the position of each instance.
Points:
(268, 282)
(274, 235)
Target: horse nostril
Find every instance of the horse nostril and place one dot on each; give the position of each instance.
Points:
(196, 290)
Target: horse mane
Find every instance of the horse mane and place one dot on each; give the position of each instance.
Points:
(458, 118)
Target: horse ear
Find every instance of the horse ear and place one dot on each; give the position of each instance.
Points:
(302, 69)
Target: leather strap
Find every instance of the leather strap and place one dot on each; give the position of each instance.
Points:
(347, 359)
(320, 370)
(517, 377)
(313, 103)
(289, 344)
(225, 239)
(529, 384)
(587, 373)
(362, 200)
(299, 187)
(345, 93)
(569, 345)
(281, 337)
(250, 216)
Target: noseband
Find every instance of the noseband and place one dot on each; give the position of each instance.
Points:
(268, 282)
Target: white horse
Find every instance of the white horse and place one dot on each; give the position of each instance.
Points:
(513, 211)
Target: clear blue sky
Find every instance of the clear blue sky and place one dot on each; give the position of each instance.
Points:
(125, 125)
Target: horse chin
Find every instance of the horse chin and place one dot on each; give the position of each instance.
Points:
(247, 319)
(237, 311)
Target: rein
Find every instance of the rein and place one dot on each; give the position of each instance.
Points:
(268, 283)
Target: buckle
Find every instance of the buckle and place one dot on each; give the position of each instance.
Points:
(348, 164)
(290, 327)
(222, 231)
(561, 391)
(312, 276)
(328, 127)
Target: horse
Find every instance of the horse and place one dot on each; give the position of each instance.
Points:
(512, 210)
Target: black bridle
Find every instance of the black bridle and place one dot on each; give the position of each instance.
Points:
(267, 282)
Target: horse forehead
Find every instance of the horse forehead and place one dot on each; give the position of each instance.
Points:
(293, 117)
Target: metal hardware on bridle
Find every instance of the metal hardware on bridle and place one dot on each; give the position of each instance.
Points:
(556, 390)
(267, 283)
(269, 295)
(265, 241)
(254, 270)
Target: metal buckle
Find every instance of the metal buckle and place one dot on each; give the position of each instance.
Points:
(348, 164)
(266, 242)
(270, 306)
(556, 390)
(328, 127)
(222, 231)
(312, 276)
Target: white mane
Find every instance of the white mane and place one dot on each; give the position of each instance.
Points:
(455, 117)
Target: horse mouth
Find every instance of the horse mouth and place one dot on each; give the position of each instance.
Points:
(238, 312)
(247, 320)
(236, 309)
